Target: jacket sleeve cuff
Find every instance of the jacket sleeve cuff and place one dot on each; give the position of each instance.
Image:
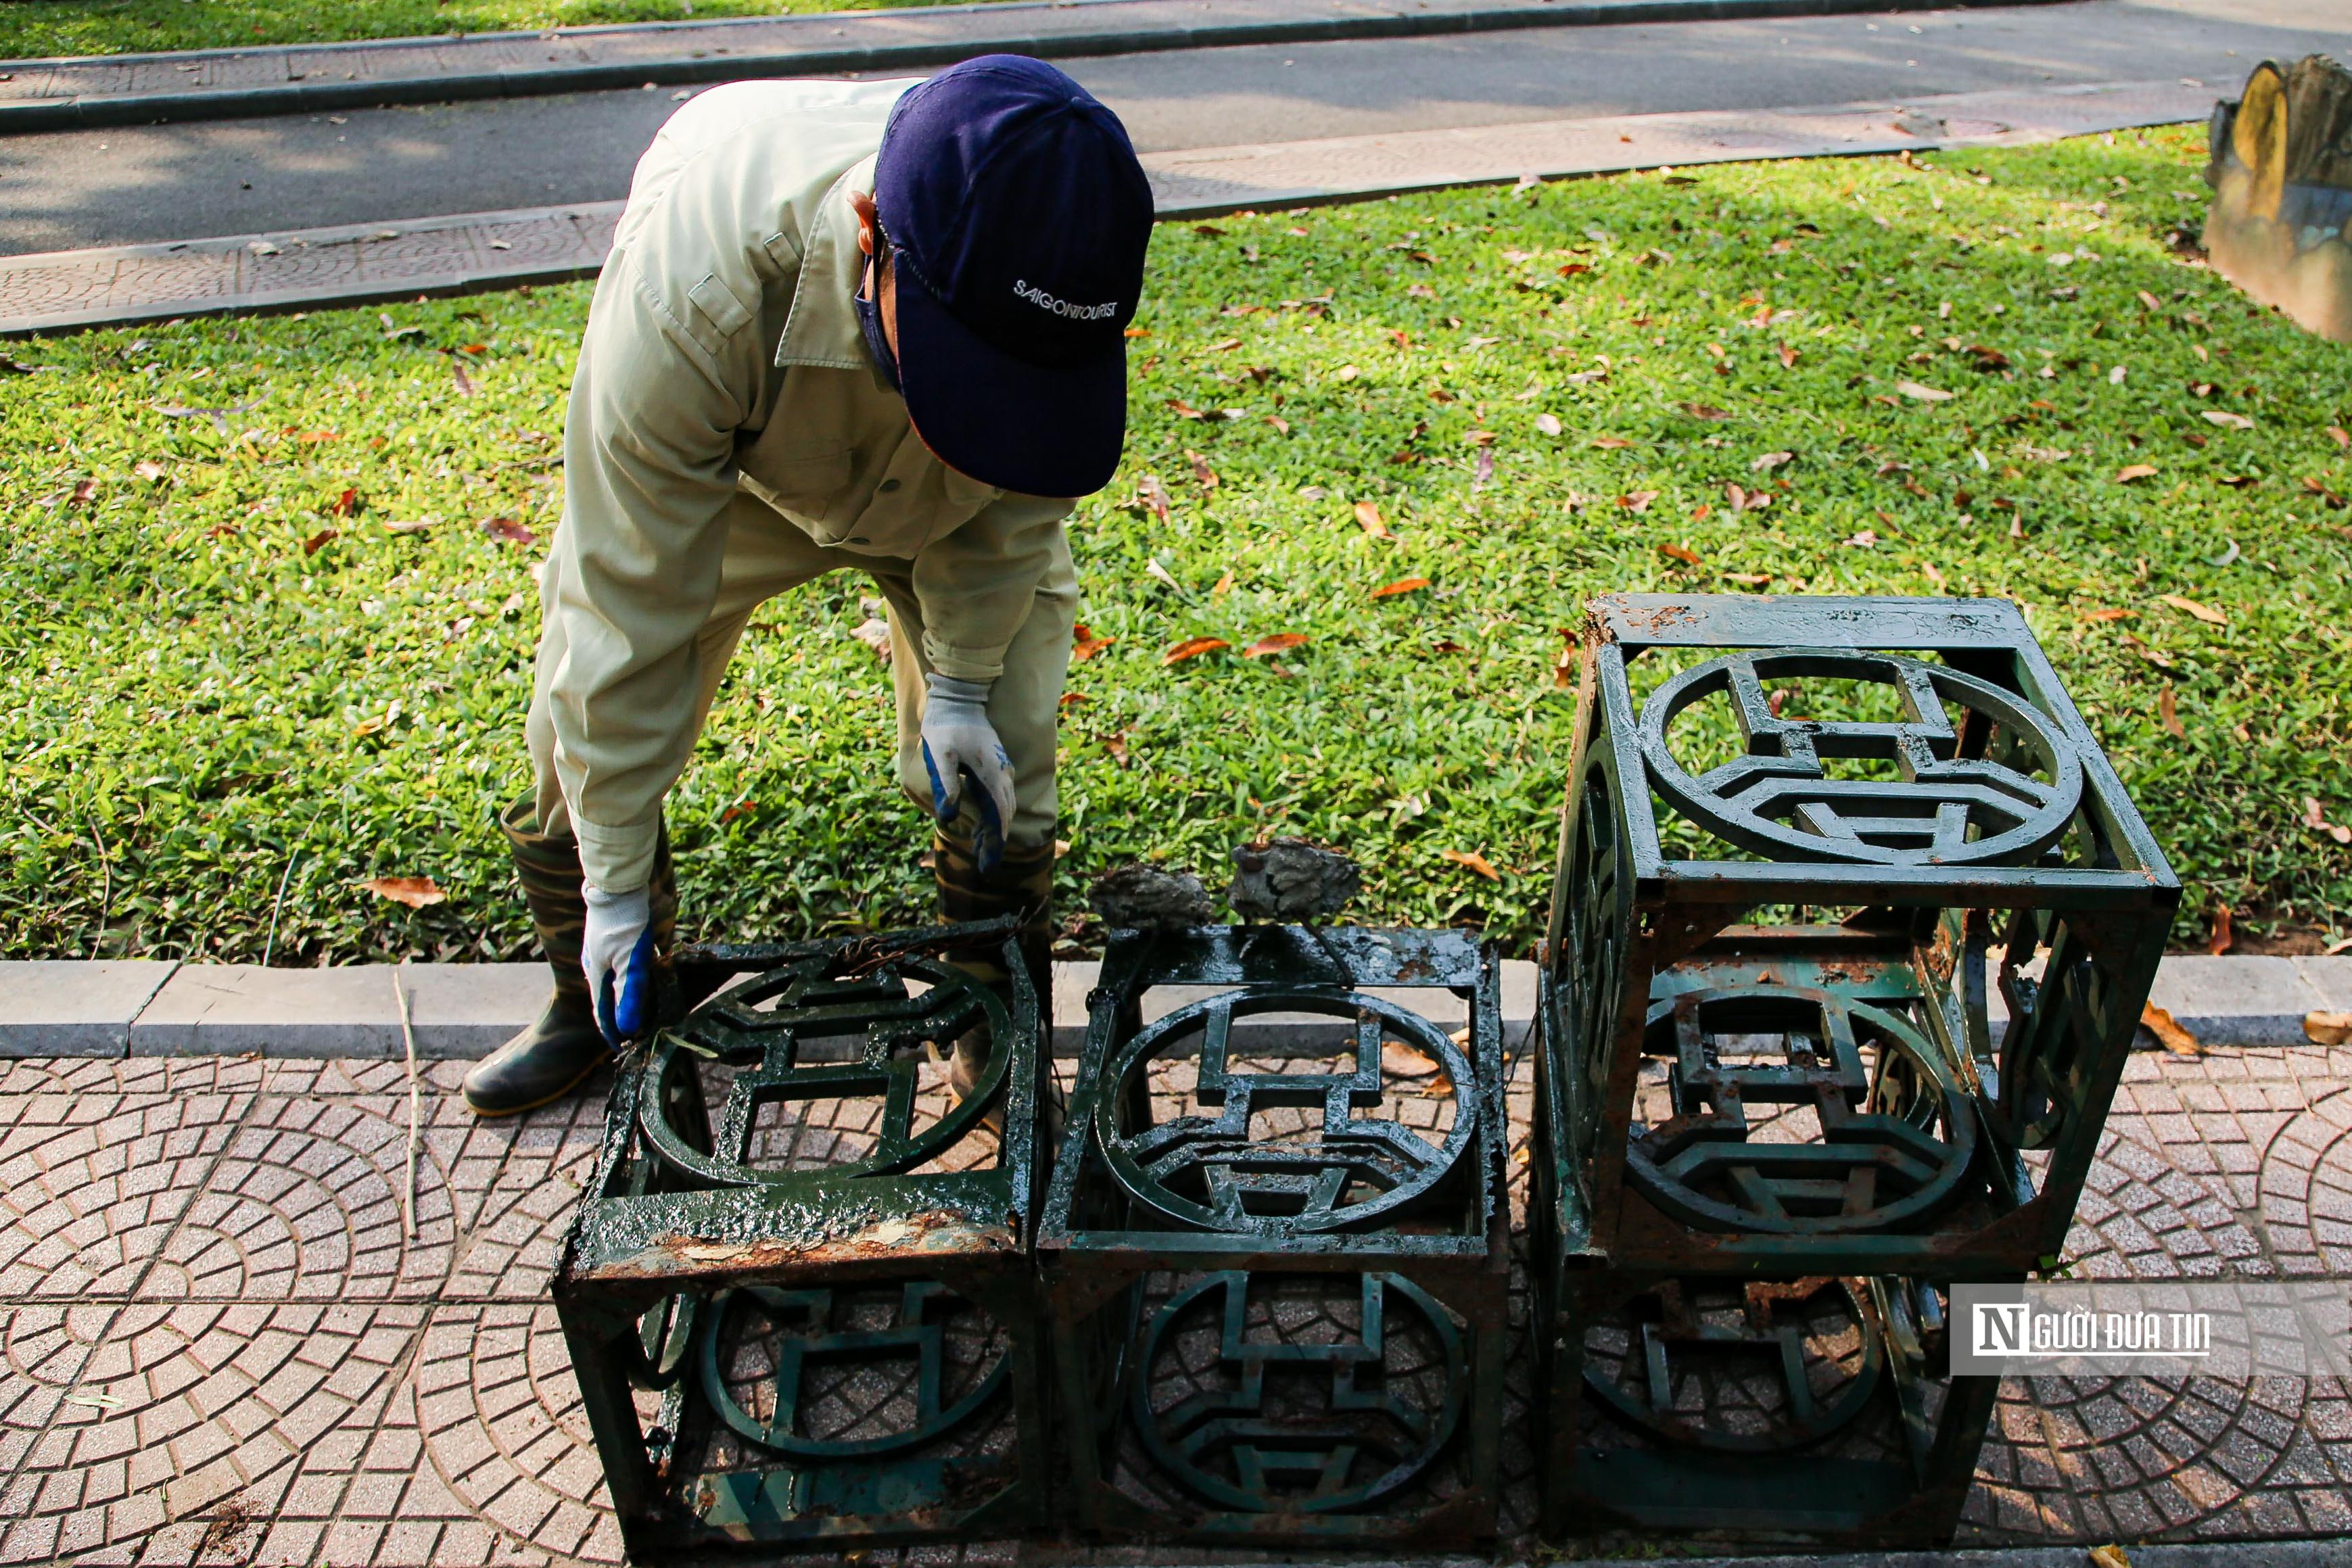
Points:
(617, 860)
(959, 663)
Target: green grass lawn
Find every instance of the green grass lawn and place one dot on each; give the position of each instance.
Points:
(220, 666)
(35, 28)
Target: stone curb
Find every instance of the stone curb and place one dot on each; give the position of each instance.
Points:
(363, 262)
(67, 93)
(138, 1008)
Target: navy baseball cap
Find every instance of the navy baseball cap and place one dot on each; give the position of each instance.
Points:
(1018, 218)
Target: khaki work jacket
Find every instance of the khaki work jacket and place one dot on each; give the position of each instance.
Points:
(722, 355)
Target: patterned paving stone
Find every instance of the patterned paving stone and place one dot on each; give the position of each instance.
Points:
(325, 1389)
(310, 1202)
(2136, 1457)
(207, 1417)
(501, 1419)
(515, 1182)
(2306, 1190)
(43, 1347)
(89, 1193)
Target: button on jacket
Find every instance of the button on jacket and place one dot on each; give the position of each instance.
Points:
(722, 365)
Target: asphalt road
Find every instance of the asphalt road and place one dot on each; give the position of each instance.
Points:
(226, 177)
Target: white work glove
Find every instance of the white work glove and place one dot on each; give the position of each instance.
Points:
(617, 952)
(958, 740)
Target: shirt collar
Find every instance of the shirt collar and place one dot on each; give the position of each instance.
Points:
(822, 329)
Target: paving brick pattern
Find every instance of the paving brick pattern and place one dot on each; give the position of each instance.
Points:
(228, 1339)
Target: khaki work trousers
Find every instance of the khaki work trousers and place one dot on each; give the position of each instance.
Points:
(766, 555)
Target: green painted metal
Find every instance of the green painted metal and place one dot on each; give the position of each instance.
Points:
(1350, 1271)
(798, 1294)
(1794, 873)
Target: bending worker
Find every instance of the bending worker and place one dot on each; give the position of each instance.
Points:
(877, 325)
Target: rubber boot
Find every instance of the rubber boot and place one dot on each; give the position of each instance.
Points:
(1021, 885)
(549, 1059)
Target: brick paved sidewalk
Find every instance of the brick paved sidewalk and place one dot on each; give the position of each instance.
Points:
(226, 1344)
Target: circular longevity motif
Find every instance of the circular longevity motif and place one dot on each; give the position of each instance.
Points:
(1748, 1369)
(1320, 1168)
(1865, 1147)
(800, 1036)
(846, 1374)
(1273, 1393)
(1998, 787)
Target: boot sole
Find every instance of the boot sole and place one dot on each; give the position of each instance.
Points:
(503, 1112)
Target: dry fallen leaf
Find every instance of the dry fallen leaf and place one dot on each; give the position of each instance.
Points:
(1154, 495)
(2109, 614)
(2132, 471)
(2328, 1029)
(1193, 648)
(1547, 423)
(1084, 645)
(1638, 500)
(1866, 540)
(506, 530)
(1368, 515)
(1475, 860)
(1918, 393)
(2341, 436)
(1611, 443)
(1399, 1060)
(2109, 1556)
(2222, 939)
(1183, 410)
(1225, 585)
(318, 541)
(416, 892)
(2227, 420)
(2205, 612)
(147, 468)
(2168, 1031)
(457, 371)
(1401, 585)
(2316, 821)
(1203, 474)
(1682, 553)
(1280, 643)
(83, 494)
(2169, 714)
(875, 632)
(1770, 461)
(1705, 410)
(1789, 357)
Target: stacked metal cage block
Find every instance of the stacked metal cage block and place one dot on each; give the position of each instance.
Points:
(1277, 1275)
(1775, 1119)
(1852, 928)
(798, 1295)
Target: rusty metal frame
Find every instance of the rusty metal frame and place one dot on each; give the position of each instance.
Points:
(1435, 1247)
(1793, 1483)
(2004, 832)
(676, 1231)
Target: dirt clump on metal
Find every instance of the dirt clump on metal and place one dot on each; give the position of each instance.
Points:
(1145, 898)
(1290, 880)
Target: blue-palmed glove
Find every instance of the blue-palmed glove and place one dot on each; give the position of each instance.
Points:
(959, 743)
(617, 952)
